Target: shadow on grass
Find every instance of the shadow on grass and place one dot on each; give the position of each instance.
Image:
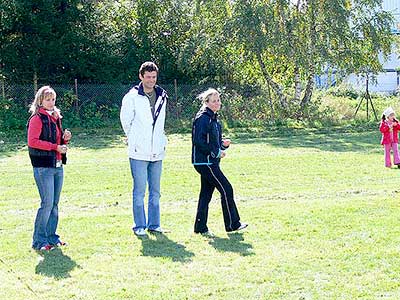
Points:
(55, 264)
(234, 243)
(333, 139)
(159, 245)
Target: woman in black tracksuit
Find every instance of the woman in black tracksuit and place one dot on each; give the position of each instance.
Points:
(208, 148)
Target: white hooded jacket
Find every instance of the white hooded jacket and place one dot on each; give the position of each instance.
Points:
(145, 133)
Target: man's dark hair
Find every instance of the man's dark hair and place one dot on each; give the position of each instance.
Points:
(148, 66)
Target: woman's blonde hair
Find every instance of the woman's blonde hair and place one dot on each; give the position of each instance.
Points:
(43, 93)
(205, 96)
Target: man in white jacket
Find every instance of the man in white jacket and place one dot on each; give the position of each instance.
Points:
(142, 118)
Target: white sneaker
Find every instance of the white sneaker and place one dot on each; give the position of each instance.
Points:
(241, 227)
(139, 232)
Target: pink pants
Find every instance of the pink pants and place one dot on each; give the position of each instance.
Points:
(394, 147)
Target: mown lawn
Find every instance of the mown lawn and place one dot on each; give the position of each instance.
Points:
(324, 220)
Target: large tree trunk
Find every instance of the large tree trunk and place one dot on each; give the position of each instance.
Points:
(275, 86)
(297, 85)
(308, 92)
(271, 104)
(311, 62)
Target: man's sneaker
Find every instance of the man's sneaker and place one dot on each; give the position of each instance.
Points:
(241, 227)
(46, 248)
(139, 232)
(158, 230)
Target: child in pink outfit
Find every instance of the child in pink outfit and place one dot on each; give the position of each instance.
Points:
(389, 127)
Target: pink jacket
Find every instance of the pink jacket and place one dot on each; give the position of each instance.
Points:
(386, 134)
(35, 130)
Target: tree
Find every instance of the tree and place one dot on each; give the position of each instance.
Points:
(292, 41)
(207, 55)
(54, 41)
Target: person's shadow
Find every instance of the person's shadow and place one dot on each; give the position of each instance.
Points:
(55, 264)
(159, 245)
(234, 243)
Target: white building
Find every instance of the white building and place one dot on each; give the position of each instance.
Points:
(389, 80)
(393, 6)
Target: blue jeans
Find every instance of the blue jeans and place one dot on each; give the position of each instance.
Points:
(143, 172)
(49, 182)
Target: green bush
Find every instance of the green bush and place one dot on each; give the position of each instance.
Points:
(242, 107)
(89, 114)
(344, 90)
(12, 115)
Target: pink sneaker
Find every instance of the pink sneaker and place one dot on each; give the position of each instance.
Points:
(46, 248)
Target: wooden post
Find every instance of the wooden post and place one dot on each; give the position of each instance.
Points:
(35, 81)
(367, 94)
(76, 88)
(76, 93)
(3, 79)
(176, 98)
(3, 89)
(176, 89)
(35, 87)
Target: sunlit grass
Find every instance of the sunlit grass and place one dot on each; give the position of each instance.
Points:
(323, 214)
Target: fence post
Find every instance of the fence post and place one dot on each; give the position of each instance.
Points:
(176, 97)
(35, 80)
(76, 93)
(176, 90)
(398, 80)
(3, 89)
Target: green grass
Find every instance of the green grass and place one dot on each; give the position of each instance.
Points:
(323, 211)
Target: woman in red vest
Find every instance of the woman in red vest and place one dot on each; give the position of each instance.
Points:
(47, 151)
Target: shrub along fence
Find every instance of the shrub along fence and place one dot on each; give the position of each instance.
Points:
(97, 105)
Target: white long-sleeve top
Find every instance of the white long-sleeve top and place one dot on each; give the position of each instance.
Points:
(145, 132)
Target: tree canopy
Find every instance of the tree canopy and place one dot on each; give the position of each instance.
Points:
(279, 44)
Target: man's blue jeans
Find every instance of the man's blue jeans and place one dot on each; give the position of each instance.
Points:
(49, 182)
(143, 172)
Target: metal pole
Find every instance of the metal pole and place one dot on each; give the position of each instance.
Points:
(358, 106)
(373, 108)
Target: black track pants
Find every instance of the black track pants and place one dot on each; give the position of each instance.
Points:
(211, 178)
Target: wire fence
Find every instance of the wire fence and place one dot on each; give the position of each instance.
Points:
(97, 105)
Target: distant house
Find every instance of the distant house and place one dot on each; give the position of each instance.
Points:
(393, 6)
(387, 81)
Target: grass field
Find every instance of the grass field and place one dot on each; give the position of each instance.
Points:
(324, 220)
